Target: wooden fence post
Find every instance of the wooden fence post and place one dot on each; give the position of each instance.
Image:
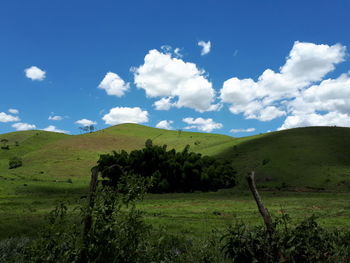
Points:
(263, 211)
(88, 217)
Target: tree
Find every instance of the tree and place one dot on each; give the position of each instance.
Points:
(88, 128)
(91, 128)
(15, 162)
(170, 171)
(4, 142)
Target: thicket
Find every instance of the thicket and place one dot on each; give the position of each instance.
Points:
(170, 171)
(15, 162)
(304, 242)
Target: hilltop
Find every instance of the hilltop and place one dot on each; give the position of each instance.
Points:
(303, 157)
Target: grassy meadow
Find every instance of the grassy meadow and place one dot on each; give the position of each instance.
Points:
(298, 164)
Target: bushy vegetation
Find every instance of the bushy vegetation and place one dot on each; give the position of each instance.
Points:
(170, 171)
(305, 242)
(15, 162)
(118, 233)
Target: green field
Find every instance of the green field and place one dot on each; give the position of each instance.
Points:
(299, 161)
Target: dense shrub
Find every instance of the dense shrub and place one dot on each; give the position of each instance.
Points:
(170, 171)
(15, 162)
(13, 249)
(306, 242)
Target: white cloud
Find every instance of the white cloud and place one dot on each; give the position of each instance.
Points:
(242, 130)
(13, 111)
(269, 113)
(52, 128)
(8, 118)
(327, 103)
(206, 125)
(276, 94)
(329, 95)
(55, 118)
(164, 103)
(165, 125)
(162, 75)
(85, 122)
(119, 115)
(177, 52)
(20, 126)
(35, 73)
(114, 85)
(206, 46)
(315, 119)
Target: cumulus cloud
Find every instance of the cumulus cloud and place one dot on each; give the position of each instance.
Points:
(114, 85)
(206, 125)
(119, 115)
(242, 130)
(165, 125)
(315, 119)
(13, 111)
(329, 95)
(206, 46)
(163, 104)
(20, 126)
(277, 94)
(35, 73)
(55, 118)
(165, 76)
(8, 118)
(52, 128)
(85, 122)
(325, 104)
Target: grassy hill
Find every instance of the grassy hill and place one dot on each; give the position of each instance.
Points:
(312, 157)
(302, 157)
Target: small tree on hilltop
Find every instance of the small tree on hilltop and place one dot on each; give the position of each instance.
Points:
(88, 128)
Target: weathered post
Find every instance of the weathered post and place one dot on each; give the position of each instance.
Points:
(88, 217)
(263, 211)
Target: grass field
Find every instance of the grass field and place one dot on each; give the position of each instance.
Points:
(195, 214)
(57, 166)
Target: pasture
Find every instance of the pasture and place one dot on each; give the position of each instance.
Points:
(24, 205)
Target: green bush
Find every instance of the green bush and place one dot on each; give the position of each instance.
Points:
(13, 249)
(170, 171)
(15, 162)
(306, 242)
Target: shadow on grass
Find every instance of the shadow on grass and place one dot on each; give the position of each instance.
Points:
(53, 190)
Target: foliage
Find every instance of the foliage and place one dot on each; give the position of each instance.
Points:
(170, 171)
(88, 128)
(118, 233)
(306, 242)
(13, 249)
(15, 162)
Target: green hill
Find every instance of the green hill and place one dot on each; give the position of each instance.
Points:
(302, 157)
(312, 157)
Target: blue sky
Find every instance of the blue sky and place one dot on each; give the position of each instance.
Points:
(229, 67)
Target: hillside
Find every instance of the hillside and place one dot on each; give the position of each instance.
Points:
(49, 155)
(314, 156)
